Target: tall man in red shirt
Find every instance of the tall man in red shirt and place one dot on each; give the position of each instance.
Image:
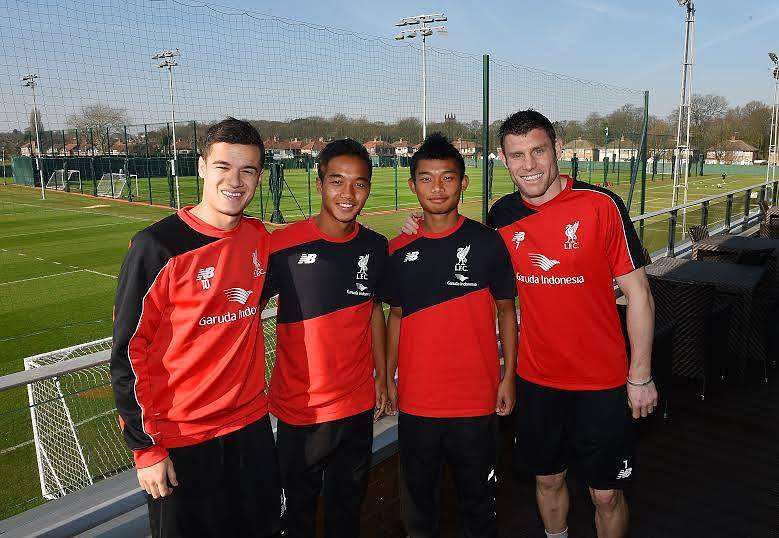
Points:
(568, 242)
(330, 341)
(188, 356)
(444, 285)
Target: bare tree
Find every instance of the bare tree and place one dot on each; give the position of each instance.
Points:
(98, 118)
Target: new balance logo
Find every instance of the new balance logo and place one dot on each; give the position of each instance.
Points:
(306, 259)
(238, 295)
(411, 256)
(204, 276)
(539, 260)
(625, 472)
(517, 239)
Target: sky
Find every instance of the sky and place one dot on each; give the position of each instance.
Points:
(633, 43)
(283, 60)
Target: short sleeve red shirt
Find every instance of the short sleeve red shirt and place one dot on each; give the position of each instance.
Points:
(566, 254)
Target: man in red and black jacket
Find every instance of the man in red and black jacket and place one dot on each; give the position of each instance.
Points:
(188, 356)
(444, 284)
(330, 339)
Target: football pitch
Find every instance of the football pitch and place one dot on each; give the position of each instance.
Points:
(60, 257)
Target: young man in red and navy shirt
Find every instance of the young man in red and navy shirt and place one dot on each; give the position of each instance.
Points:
(188, 356)
(443, 285)
(330, 341)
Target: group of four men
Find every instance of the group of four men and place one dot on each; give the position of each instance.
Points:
(188, 359)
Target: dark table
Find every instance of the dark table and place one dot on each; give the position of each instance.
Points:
(738, 244)
(734, 284)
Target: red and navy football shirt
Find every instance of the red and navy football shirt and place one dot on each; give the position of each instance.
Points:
(566, 254)
(188, 355)
(446, 284)
(324, 348)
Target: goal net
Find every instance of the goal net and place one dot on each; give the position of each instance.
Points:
(60, 179)
(74, 420)
(113, 185)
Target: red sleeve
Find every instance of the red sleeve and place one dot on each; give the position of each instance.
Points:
(623, 248)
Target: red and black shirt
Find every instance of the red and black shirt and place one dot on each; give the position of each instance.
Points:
(446, 284)
(188, 355)
(324, 348)
(566, 254)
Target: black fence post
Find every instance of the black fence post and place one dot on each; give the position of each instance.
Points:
(197, 170)
(728, 212)
(672, 232)
(705, 213)
(776, 194)
(747, 198)
(148, 168)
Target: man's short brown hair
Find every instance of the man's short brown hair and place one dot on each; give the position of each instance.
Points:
(233, 131)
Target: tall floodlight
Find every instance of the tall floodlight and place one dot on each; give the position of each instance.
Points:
(168, 62)
(770, 171)
(685, 99)
(419, 24)
(29, 82)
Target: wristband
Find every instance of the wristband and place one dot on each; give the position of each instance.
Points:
(641, 383)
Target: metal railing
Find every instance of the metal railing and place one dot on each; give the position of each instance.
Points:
(663, 232)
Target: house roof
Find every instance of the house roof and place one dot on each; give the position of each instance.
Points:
(579, 143)
(376, 143)
(281, 145)
(622, 143)
(733, 145)
(401, 144)
(313, 145)
(461, 144)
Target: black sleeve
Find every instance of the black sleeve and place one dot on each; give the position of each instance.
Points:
(503, 283)
(270, 287)
(136, 316)
(388, 292)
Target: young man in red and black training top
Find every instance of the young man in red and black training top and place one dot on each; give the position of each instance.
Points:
(568, 242)
(330, 340)
(443, 285)
(188, 355)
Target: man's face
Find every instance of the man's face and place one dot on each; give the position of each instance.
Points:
(345, 187)
(532, 162)
(231, 173)
(438, 185)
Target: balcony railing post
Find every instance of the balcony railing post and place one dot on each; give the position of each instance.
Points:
(672, 232)
(705, 213)
(776, 193)
(747, 198)
(729, 212)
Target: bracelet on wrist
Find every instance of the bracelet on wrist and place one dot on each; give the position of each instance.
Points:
(640, 383)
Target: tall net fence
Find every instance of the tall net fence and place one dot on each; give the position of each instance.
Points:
(104, 107)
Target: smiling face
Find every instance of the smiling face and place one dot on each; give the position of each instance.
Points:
(231, 173)
(532, 163)
(438, 185)
(344, 186)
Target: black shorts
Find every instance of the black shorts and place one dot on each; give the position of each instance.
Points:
(228, 486)
(592, 430)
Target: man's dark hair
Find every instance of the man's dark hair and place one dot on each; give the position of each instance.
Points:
(524, 121)
(437, 146)
(338, 148)
(233, 131)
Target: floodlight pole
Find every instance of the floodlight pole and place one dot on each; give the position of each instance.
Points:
(29, 81)
(770, 171)
(169, 63)
(425, 31)
(685, 102)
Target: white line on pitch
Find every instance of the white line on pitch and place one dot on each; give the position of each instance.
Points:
(99, 273)
(84, 211)
(39, 277)
(64, 229)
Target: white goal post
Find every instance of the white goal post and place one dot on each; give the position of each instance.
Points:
(60, 179)
(113, 184)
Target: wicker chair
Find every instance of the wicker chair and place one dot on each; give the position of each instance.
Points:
(697, 233)
(769, 228)
(763, 207)
(699, 334)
